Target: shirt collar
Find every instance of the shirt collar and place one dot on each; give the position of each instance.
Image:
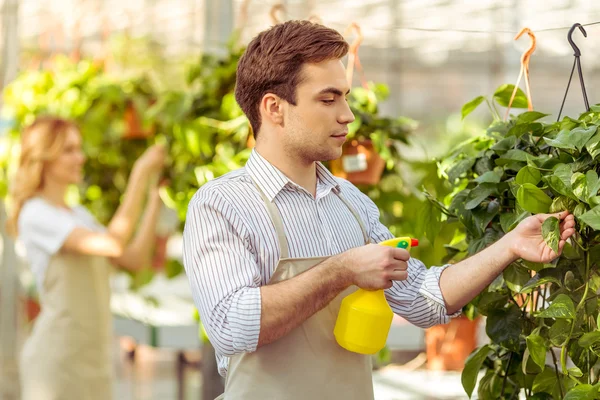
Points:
(271, 180)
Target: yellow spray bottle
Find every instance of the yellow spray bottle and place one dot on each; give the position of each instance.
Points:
(365, 317)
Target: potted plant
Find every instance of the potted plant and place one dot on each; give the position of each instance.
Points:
(547, 345)
(373, 140)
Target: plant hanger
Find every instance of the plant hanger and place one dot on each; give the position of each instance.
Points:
(576, 61)
(353, 56)
(525, 58)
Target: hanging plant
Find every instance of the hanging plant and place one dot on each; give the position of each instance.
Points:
(542, 319)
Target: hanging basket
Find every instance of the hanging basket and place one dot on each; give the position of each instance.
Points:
(360, 163)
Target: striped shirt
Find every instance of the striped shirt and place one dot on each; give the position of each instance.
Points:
(230, 249)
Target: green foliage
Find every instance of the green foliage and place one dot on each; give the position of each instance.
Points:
(516, 168)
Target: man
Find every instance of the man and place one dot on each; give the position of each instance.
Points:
(269, 249)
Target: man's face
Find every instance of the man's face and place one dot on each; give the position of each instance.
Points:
(316, 127)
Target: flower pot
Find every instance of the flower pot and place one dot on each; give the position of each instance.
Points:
(449, 345)
(32, 308)
(360, 163)
(134, 128)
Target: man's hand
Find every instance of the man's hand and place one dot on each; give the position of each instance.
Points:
(374, 266)
(526, 239)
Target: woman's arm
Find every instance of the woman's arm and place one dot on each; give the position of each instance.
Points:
(123, 223)
(138, 253)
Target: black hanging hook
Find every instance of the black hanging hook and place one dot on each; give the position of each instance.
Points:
(576, 50)
(576, 61)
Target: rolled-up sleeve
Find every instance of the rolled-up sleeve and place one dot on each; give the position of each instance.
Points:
(419, 298)
(223, 273)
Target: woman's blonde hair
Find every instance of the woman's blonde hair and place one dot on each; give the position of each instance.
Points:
(41, 142)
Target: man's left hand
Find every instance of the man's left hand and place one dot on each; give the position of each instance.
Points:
(528, 243)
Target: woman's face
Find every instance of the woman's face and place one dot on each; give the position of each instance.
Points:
(67, 169)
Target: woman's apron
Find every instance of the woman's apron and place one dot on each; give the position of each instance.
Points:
(68, 354)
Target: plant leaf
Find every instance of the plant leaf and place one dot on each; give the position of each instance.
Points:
(530, 116)
(538, 280)
(489, 177)
(516, 277)
(537, 349)
(508, 221)
(593, 183)
(591, 218)
(562, 141)
(583, 135)
(551, 233)
(582, 392)
(533, 199)
(504, 92)
(589, 338)
(472, 367)
(469, 107)
(528, 175)
(561, 307)
(504, 327)
(579, 185)
(535, 128)
(480, 193)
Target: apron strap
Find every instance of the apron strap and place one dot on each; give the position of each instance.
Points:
(358, 218)
(277, 221)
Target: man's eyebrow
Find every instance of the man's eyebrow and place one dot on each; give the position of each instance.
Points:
(333, 90)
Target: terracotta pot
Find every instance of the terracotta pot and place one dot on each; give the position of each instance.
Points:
(134, 129)
(160, 253)
(449, 345)
(360, 163)
(32, 308)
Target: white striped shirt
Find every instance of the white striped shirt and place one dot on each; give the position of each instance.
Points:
(230, 249)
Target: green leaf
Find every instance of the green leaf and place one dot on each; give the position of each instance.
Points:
(589, 339)
(505, 144)
(575, 371)
(546, 381)
(460, 168)
(533, 199)
(490, 301)
(516, 277)
(471, 106)
(538, 280)
(504, 327)
(559, 332)
(480, 193)
(537, 349)
(561, 307)
(530, 116)
(504, 92)
(562, 203)
(512, 155)
(428, 221)
(579, 185)
(560, 180)
(583, 135)
(562, 141)
(551, 233)
(489, 177)
(472, 367)
(598, 321)
(591, 218)
(519, 130)
(593, 183)
(508, 221)
(582, 392)
(528, 175)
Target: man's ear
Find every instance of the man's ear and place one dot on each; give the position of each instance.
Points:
(271, 108)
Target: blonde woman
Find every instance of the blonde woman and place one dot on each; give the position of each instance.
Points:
(68, 354)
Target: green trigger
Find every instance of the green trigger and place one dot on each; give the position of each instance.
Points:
(402, 244)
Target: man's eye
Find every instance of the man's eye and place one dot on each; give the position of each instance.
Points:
(328, 101)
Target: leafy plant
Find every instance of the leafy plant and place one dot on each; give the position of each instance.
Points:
(542, 319)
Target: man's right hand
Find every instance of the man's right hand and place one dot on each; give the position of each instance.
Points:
(374, 266)
(153, 159)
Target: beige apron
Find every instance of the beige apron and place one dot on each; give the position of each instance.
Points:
(68, 355)
(307, 363)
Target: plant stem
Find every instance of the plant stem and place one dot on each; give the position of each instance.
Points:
(493, 111)
(506, 375)
(557, 376)
(587, 281)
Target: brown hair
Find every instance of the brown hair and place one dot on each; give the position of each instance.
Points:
(273, 61)
(41, 142)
